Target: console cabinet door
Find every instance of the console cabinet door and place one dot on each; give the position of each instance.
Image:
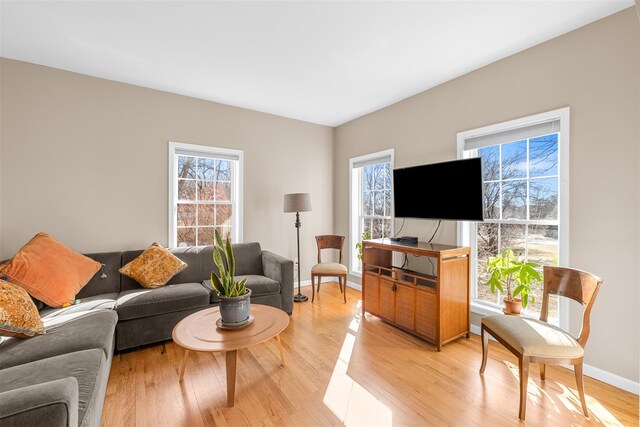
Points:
(387, 300)
(426, 313)
(405, 306)
(371, 293)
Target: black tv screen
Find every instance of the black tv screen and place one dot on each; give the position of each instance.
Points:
(448, 190)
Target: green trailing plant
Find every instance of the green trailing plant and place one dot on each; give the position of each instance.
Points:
(224, 282)
(514, 274)
(366, 235)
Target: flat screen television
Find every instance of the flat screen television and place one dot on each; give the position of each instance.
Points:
(448, 191)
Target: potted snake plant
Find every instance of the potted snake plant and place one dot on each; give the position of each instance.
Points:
(515, 277)
(234, 295)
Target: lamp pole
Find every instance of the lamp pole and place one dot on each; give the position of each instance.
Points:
(300, 297)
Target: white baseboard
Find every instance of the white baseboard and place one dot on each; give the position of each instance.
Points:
(327, 280)
(595, 373)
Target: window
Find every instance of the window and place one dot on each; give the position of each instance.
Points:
(205, 188)
(371, 200)
(525, 170)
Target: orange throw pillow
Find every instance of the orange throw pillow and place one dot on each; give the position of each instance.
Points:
(50, 271)
(19, 316)
(154, 267)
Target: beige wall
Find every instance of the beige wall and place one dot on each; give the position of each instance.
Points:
(86, 160)
(595, 70)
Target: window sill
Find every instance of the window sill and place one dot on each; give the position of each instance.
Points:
(484, 310)
(355, 273)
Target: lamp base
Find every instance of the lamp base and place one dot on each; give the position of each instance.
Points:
(300, 298)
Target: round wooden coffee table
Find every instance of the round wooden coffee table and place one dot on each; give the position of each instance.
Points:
(198, 332)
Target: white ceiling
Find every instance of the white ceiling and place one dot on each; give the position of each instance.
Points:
(323, 62)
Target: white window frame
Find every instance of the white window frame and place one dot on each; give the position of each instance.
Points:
(236, 185)
(355, 203)
(466, 230)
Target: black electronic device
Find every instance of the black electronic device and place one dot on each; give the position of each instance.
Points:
(447, 191)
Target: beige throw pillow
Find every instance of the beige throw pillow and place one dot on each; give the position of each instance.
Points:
(154, 267)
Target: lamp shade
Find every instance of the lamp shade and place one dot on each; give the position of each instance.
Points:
(297, 202)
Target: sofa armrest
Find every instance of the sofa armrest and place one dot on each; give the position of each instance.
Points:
(280, 269)
(54, 403)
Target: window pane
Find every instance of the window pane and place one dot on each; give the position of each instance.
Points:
(205, 215)
(186, 167)
(487, 238)
(376, 225)
(490, 157)
(367, 178)
(387, 176)
(223, 191)
(205, 236)
(387, 202)
(543, 244)
(379, 176)
(186, 189)
(223, 170)
(378, 203)
(207, 168)
(186, 237)
(543, 198)
(223, 215)
(186, 215)
(387, 228)
(514, 160)
(224, 232)
(491, 194)
(514, 199)
(543, 155)
(367, 203)
(513, 237)
(206, 190)
(366, 226)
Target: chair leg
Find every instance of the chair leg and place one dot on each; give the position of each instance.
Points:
(580, 384)
(485, 348)
(543, 372)
(313, 287)
(319, 280)
(340, 283)
(344, 294)
(524, 380)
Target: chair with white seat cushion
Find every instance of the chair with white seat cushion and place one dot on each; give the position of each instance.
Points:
(537, 341)
(329, 269)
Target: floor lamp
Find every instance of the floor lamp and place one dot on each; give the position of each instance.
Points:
(298, 202)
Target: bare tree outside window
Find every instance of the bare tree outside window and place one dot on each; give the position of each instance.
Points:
(520, 181)
(204, 199)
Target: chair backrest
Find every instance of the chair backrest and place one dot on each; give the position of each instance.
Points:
(578, 285)
(329, 242)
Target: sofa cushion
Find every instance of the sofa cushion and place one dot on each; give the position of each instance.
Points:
(138, 303)
(154, 267)
(248, 259)
(96, 302)
(188, 255)
(50, 271)
(259, 285)
(19, 316)
(88, 367)
(65, 334)
(99, 284)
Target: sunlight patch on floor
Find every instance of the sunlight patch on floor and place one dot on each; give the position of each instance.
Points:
(569, 398)
(347, 399)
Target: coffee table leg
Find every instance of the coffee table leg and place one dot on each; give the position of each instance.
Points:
(232, 360)
(280, 348)
(184, 364)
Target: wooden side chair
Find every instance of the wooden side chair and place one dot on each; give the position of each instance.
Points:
(536, 341)
(329, 269)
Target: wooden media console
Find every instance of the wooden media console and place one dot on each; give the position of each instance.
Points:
(432, 307)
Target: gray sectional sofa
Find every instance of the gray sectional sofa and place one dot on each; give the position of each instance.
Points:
(60, 378)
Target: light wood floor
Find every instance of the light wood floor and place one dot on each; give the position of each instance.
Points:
(344, 371)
